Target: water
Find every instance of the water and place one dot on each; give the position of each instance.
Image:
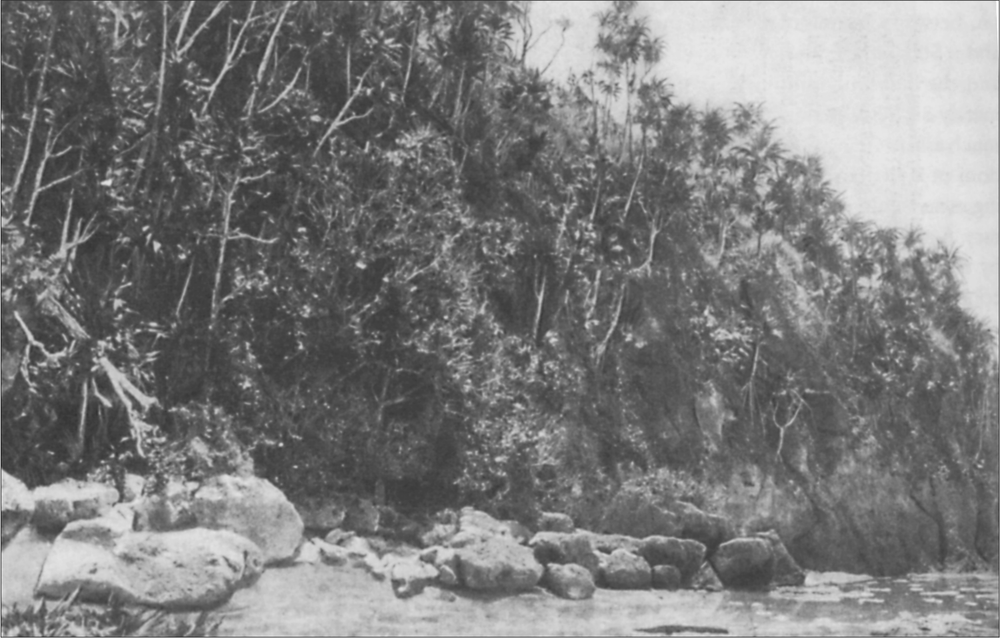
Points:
(921, 604)
(322, 600)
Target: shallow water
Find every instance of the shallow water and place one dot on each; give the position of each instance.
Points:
(320, 600)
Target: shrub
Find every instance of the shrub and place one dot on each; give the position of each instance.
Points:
(68, 619)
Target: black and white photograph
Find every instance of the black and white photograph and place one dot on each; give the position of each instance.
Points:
(499, 317)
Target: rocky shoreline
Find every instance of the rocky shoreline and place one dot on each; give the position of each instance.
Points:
(191, 545)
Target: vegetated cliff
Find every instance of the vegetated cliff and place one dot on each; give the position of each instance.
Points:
(365, 244)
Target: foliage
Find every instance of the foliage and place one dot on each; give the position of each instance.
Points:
(365, 244)
(65, 618)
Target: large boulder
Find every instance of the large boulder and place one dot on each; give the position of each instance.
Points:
(624, 570)
(634, 513)
(254, 508)
(555, 522)
(684, 554)
(195, 568)
(496, 564)
(745, 563)
(16, 507)
(569, 581)
(666, 577)
(565, 549)
(711, 530)
(786, 571)
(71, 500)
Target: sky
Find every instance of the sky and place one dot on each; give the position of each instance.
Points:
(899, 99)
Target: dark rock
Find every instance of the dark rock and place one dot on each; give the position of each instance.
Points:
(569, 581)
(497, 564)
(634, 513)
(565, 549)
(684, 554)
(666, 577)
(786, 571)
(321, 514)
(745, 563)
(71, 500)
(18, 506)
(195, 568)
(625, 570)
(555, 522)
(711, 530)
(362, 517)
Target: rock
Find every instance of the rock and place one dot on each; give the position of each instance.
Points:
(17, 506)
(666, 577)
(167, 510)
(744, 563)
(498, 564)
(787, 572)
(362, 517)
(357, 547)
(555, 522)
(684, 554)
(439, 534)
(706, 579)
(333, 555)
(254, 508)
(625, 570)
(339, 537)
(375, 566)
(410, 576)
(71, 500)
(569, 581)
(23, 558)
(473, 521)
(710, 530)
(565, 549)
(445, 559)
(196, 568)
(447, 576)
(518, 532)
(308, 554)
(634, 513)
(607, 543)
(132, 488)
(321, 514)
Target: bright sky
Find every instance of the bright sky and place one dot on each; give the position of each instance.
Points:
(899, 99)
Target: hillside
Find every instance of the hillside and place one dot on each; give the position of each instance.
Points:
(363, 247)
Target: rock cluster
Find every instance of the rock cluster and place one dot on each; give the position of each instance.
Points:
(191, 545)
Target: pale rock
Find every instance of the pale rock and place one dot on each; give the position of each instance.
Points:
(195, 568)
(254, 508)
(71, 500)
(17, 506)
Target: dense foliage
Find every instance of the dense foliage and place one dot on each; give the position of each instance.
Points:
(64, 618)
(368, 243)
